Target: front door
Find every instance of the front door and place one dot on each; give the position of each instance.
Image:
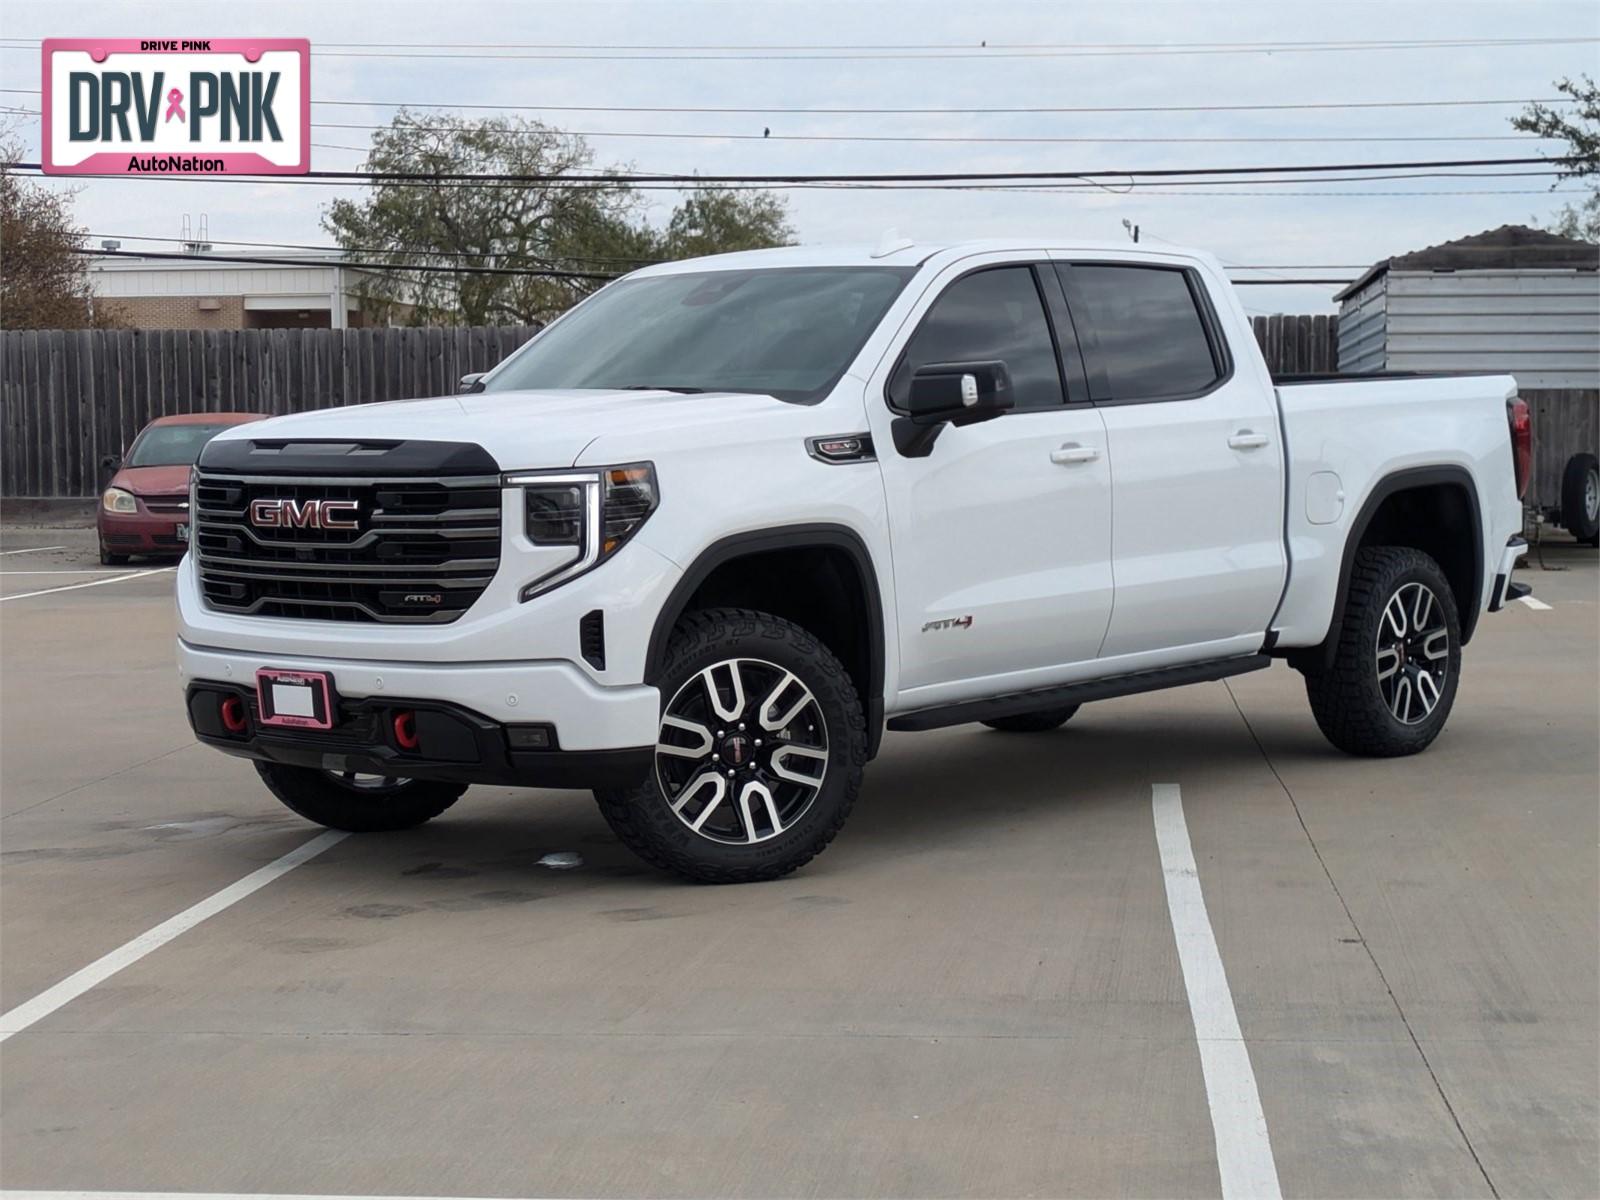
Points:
(1001, 534)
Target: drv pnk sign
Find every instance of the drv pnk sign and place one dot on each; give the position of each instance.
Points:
(159, 106)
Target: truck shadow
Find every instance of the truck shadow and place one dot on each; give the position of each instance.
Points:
(925, 794)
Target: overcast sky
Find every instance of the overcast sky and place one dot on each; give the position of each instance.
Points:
(1278, 225)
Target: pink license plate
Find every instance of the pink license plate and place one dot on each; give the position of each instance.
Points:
(302, 699)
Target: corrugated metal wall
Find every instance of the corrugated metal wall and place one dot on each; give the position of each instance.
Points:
(1541, 326)
(1361, 328)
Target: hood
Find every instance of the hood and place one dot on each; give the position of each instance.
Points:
(522, 430)
(152, 481)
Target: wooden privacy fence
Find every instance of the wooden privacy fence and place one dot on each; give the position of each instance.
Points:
(70, 397)
(1298, 345)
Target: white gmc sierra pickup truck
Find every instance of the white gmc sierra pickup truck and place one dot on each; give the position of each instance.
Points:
(697, 543)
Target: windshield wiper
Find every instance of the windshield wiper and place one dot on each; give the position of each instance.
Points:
(661, 387)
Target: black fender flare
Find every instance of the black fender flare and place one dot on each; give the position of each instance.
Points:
(1401, 481)
(784, 537)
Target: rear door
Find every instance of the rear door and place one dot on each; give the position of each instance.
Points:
(1196, 462)
(1001, 534)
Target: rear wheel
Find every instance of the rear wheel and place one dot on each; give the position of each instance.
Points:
(1042, 721)
(1580, 498)
(1398, 658)
(759, 756)
(358, 803)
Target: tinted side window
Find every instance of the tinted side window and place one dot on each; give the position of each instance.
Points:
(1142, 332)
(993, 314)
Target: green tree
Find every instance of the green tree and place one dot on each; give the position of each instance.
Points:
(716, 221)
(562, 225)
(44, 280)
(1579, 127)
(488, 225)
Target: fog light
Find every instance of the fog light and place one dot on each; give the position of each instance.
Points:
(405, 730)
(233, 716)
(531, 737)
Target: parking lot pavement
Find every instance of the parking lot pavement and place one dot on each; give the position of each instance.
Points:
(978, 990)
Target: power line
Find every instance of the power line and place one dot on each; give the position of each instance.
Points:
(933, 112)
(576, 258)
(768, 136)
(150, 237)
(693, 180)
(1158, 188)
(390, 268)
(675, 135)
(892, 54)
(1342, 43)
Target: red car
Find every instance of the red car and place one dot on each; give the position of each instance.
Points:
(145, 508)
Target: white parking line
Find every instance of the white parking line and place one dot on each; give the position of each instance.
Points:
(70, 571)
(31, 550)
(76, 984)
(1244, 1151)
(67, 587)
(1534, 603)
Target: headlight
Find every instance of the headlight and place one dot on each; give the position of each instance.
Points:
(594, 510)
(118, 501)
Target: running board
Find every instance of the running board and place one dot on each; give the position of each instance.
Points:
(1016, 703)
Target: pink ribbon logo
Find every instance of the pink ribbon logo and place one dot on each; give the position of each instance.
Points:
(175, 105)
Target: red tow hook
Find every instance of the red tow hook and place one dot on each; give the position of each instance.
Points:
(405, 730)
(233, 715)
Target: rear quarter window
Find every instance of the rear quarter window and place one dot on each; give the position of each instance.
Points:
(1143, 332)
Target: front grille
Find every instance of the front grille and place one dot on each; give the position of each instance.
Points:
(423, 550)
(167, 504)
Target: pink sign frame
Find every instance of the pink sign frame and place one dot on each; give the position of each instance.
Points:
(115, 162)
(318, 680)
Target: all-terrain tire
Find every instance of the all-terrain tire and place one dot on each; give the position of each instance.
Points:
(642, 816)
(332, 801)
(1042, 721)
(1353, 701)
(1580, 498)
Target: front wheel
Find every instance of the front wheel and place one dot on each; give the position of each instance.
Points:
(1397, 661)
(358, 803)
(759, 756)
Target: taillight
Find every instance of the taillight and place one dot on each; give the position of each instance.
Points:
(1520, 418)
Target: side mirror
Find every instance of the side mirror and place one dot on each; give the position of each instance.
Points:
(111, 462)
(953, 393)
(471, 383)
(961, 393)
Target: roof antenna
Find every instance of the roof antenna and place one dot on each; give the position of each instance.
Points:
(891, 242)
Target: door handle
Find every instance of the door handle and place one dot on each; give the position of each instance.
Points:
(1072, 452)
(1247, 439)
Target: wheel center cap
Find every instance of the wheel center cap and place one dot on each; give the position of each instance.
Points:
(737, 750)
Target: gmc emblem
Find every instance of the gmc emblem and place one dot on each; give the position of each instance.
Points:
(305, 514)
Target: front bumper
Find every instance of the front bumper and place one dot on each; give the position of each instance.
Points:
(586, 715)
(450, 743)
(142, 532)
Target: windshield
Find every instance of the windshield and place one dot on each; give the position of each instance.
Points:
(171, 445)
(785, 332)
